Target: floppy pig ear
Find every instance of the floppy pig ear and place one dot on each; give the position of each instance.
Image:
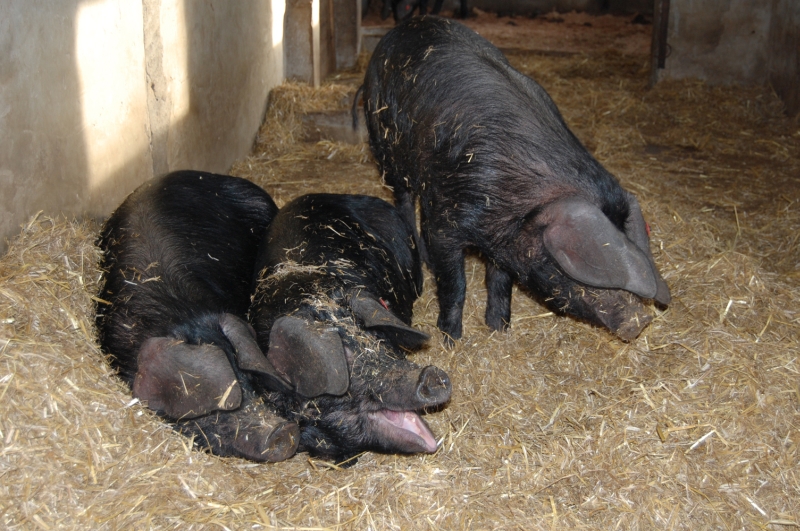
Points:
(248, 354)
(375, 316)
(185, 381)
(636, 230)
(312, 359)
(590, 249)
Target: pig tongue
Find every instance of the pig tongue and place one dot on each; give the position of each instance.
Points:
(411, 422)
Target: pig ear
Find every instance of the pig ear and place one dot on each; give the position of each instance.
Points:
(309, 357)
(368, 309)
(248, 354)
(185, 381)
(590, 249)
(636, 229)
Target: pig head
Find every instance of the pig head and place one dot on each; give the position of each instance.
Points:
(339, 275)
(369, 396)
(581, 264)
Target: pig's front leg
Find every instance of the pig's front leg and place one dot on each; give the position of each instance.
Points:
(498, 297)
(447, 260)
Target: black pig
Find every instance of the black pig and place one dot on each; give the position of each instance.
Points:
(341, 273)
(178, 261)
(497, 170)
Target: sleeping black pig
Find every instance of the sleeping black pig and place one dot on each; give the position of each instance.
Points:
(178, 262)
(339, 274)
(497, 170)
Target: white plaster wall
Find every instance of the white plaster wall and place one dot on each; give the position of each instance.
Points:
(96, 96)
(109, 60)
(70, 105)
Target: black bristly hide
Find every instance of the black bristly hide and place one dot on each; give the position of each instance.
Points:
(345, 267)
(178, 259)
(496, 170)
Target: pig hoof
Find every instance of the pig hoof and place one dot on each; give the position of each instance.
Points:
(448, 341)
(497, 323)
(266, 443)
(452, 331)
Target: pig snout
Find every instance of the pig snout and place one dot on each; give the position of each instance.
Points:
(433, 387)
(408, 387)
(398, 426)
(620, 311)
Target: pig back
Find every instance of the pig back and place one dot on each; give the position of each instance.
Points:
(350, 241)
(178, 249)
(452, 121)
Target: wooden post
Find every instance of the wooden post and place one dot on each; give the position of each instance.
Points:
(347, 32)
(658, 44)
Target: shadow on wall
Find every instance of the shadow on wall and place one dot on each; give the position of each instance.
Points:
(41, 122)
(91, 105)
(209, 68)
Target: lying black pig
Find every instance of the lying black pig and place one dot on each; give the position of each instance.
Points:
(178, 261)
(497, 170)
(339, 274)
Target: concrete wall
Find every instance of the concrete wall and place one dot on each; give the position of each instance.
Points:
(783, 50)
(96, 96)
(528, 7)
(722, 41)
(737, 41)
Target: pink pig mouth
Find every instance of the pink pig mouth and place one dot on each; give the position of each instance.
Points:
(403, 429)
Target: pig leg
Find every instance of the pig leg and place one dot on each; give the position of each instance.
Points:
(253, 432)
(451, 285)
(498, 301)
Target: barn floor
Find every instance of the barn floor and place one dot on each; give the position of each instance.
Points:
(554, 425)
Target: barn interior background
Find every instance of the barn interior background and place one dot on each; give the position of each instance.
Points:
(554, 425)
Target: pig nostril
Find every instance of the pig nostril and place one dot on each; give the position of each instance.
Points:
(434, 386)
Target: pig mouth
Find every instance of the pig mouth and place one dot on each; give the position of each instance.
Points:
(404, 429)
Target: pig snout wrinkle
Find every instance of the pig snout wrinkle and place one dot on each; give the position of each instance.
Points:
(434, 386)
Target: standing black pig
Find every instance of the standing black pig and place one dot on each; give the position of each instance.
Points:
(178, 261)
(340, 273)
(497, 170)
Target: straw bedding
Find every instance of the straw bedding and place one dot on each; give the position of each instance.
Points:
(553, 425)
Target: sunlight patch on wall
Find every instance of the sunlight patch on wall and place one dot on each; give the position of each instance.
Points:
(174, 36)
(278, 12)
(109, 54)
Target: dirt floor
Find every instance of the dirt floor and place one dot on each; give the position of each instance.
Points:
(554, 425)
(559, 33)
